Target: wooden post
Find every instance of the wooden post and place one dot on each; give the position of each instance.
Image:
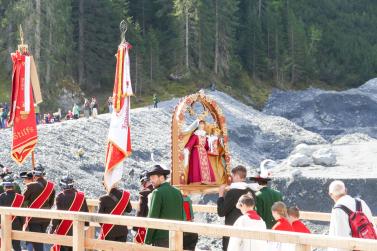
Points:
(176, 240)
(6, 232)
(78, 236)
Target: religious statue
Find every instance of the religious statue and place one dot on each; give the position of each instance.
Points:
(196, 157)
(216, 154)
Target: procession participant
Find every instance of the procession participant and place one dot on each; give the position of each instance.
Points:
(36, 196)
(166, 203)
(10, 198)
(251, 220)
(294, 219)
(142, 211)
(116, 202)
(39, 176)
(265, 197)
(279, 212)
(7, 172)
(226, 203)
(68, 200)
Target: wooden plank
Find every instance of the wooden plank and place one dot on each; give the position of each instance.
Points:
(78, 236)
(6, 232)
(113, 245)
(47, 238)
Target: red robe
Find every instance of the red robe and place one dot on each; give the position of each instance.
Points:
(300, 227)
(283, 225)
(200, 169)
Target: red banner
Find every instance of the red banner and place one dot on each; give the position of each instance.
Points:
(118, 210)
(22, 114)
(65, 225)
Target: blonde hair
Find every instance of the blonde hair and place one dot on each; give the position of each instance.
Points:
(247, 200)
(280, 208)
(337, 188)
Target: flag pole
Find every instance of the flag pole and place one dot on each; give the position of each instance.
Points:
(33, 160)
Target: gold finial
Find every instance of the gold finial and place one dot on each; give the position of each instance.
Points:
(22, 47)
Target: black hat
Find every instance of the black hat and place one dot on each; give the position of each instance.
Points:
(8, 181)
(26, 175)
(157, 169)
(1, 166)
(39, 170)
(143, 176)
(66, 182)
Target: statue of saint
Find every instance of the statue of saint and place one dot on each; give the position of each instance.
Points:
(196, 157)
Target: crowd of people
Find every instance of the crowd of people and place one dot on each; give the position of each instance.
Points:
(246, 202)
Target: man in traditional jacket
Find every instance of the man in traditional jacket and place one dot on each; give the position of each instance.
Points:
(265, 198)
(226, 203)
(142, 211)
(36, 196)
(39, 176)
(68, 200)
(4, 171)
(116, 202)
(10, 198)
(166, 203)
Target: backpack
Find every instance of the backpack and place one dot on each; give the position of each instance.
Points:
(360, 225)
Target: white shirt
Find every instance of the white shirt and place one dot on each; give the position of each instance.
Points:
(339, 224)
(238, 244)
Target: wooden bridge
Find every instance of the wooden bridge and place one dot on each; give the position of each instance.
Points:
(84, 238)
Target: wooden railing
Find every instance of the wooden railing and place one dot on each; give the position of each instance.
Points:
(304, 215)
(80, 241)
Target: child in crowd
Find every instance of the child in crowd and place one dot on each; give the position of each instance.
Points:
(251, 220)
(279, 212)
(294, 219)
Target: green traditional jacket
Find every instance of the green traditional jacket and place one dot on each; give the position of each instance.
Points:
(166, 203)
(264, 199)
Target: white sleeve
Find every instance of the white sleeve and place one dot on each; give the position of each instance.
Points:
(234, 242)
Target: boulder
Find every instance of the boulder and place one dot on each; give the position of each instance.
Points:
(299, 160)
(324, 157)
(305, 149)
(354, 138)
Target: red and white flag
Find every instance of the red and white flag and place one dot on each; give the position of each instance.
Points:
(119, 138)
(22, 114)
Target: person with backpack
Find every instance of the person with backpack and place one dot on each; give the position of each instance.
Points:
(350, 217)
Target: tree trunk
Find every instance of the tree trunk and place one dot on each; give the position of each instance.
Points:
(259, 8)
(151, 65)
(216, 38)
(81, 44)
(276, 57)
(143, 16)
(48, 64)
(9, 45)
(136, 70)
(37, 51)
(187, 37)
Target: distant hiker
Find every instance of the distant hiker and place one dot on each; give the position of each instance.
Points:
(37, 113)
(265, 197)
(37, 196)
(166, 203)
(3, 117)
(115, 202)
(10, 198)
(155, 100)
(346, 207)
(57, 115)
(94, 107)
(294, 219)
(142, 211)
(69, 115)
(76, 111)
(68, 200)
(110, 104)
(250, 220)
(86, 108)
(226, 203)
(279, 212)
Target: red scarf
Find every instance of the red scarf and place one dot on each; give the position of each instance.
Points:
(283, 225)
(65, 225)
(253, 215)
